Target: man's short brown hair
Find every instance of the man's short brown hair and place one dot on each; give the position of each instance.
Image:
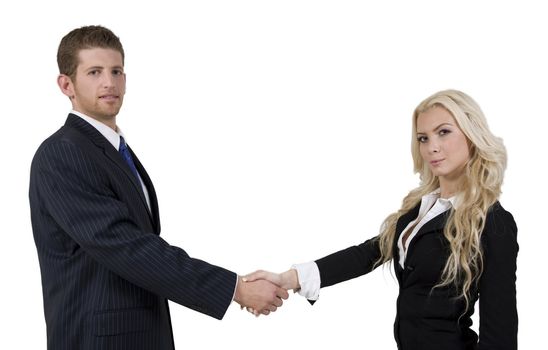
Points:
(88, 37)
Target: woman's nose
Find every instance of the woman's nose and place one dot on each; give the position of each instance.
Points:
(433, 146)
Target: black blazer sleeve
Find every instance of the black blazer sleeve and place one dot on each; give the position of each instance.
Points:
(497, 286)
(349, 263)
(75, 193)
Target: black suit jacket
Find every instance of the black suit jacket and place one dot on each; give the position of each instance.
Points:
(106, 273)
(430, 318)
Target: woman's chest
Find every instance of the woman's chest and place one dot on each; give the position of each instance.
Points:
(425, 260)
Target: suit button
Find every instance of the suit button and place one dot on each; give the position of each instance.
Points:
(409, 268)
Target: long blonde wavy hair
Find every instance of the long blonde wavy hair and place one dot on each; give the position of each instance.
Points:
(479, 188)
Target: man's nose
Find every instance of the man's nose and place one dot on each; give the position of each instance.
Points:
(108, 80)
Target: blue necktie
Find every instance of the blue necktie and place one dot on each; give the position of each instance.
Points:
(124, 152)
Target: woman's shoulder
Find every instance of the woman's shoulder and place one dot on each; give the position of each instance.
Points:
(499, 223)
(497, 213)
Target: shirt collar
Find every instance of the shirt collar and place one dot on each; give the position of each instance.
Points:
(435, 196)
(112, 136)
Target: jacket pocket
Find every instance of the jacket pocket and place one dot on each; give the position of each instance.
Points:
(116, 322)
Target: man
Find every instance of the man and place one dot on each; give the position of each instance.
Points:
(106, 273)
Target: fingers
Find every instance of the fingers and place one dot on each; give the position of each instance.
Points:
(258, 313)
(263, 275)
(265, 312)
(277, 302)
(271, 307)
(282, 293)
(257, 275)
(286, 280)
(259, 295)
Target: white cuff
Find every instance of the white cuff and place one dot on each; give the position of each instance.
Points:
(309, 279)
(236, 286)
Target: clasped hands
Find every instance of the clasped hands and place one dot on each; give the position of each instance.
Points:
(263, 292)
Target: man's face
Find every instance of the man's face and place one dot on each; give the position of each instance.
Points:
(99, 85)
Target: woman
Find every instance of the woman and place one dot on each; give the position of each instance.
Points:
(452, 242)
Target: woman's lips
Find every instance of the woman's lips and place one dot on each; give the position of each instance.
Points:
(436, 162)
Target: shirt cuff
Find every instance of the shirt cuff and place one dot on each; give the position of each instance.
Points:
(236, 286)
(309, 279)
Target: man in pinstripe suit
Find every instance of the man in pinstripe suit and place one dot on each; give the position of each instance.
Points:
(106, 273)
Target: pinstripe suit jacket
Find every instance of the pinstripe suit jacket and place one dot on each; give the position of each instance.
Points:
(106, 273)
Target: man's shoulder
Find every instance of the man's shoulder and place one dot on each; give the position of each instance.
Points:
(67, 139)
(63, 134)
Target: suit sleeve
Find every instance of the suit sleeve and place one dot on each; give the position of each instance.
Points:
(75, 193)
(497, 299)
(349, 263)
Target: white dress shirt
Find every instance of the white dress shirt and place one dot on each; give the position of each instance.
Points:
(114, 138)
(431, 206)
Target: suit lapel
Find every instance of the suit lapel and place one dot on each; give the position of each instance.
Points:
(75, 122)
(151, 191)
(405, 219)
(401, 224)
(111, 153)
(435, 225)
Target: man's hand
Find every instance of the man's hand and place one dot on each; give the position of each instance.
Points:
(261, 296)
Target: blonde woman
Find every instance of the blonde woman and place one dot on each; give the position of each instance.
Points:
(451, 242)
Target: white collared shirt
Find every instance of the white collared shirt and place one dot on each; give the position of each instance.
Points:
(431, 206)
(113, 138)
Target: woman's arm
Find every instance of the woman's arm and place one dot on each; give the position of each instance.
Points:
(334, 268)
(349, 263)
(497, 286)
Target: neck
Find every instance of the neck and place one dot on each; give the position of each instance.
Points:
(109, 121)
(447, 188)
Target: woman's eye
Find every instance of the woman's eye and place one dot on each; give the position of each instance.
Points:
(422, 139)
(444, 132)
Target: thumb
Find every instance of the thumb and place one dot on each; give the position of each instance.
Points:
(254, 276)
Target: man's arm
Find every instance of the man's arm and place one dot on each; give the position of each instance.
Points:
(73, 190)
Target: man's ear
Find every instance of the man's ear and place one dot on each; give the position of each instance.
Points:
(66, 85)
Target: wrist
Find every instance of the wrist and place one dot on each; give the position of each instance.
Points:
(238, 294)
(291, 279)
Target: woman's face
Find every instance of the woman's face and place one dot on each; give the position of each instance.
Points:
(442, 144)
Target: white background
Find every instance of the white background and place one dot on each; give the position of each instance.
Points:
(277, 132)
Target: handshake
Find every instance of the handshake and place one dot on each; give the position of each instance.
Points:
(262, 292)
